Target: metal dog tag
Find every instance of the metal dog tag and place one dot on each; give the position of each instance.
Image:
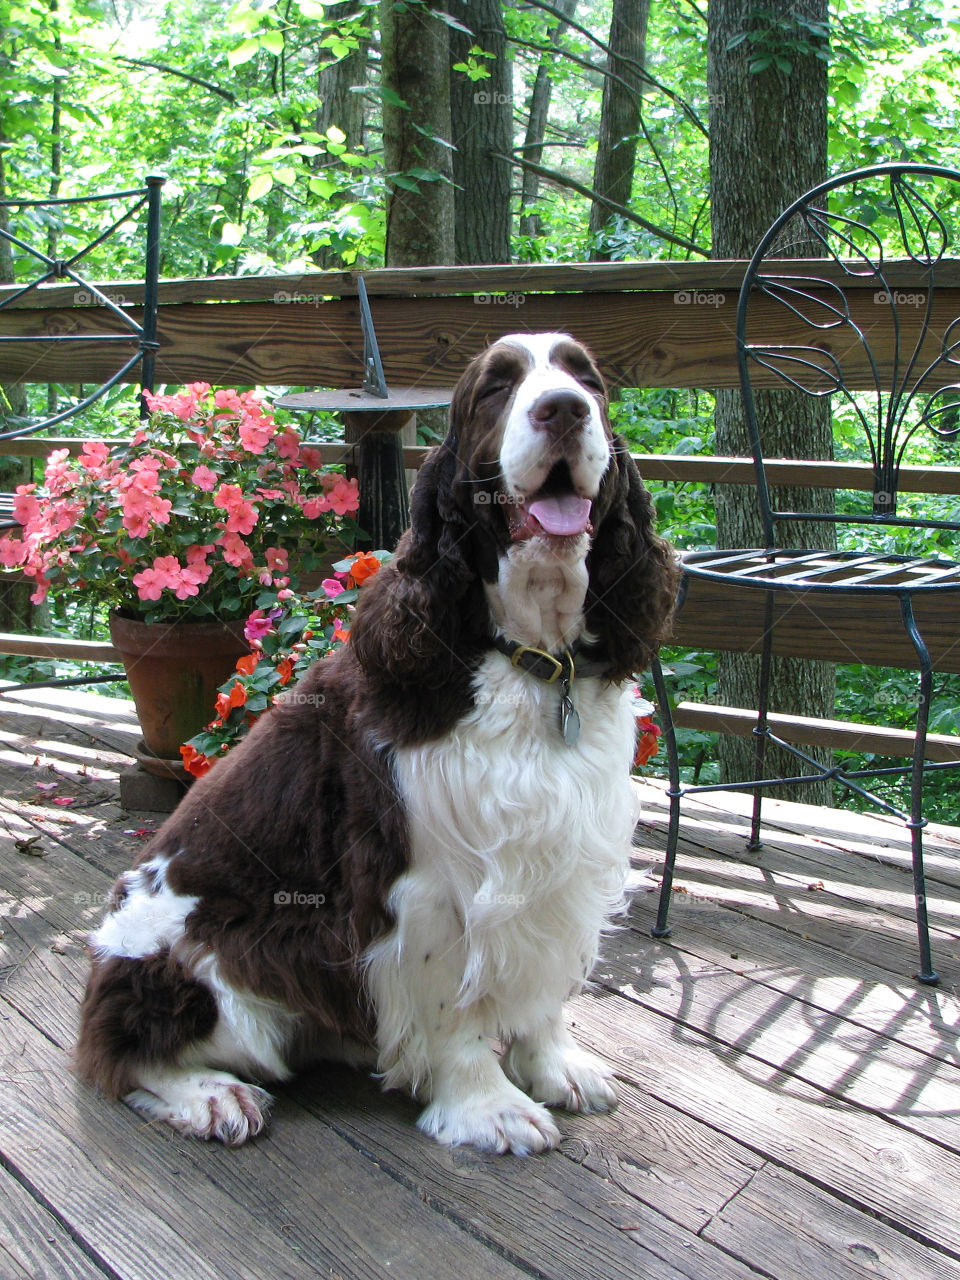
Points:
(569, 717)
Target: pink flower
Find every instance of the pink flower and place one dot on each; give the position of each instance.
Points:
(332, 588)
(277, 559)
(235, 551)
(13, 552)
(311, 458)
(93, 455)
(198, 389)
(313, 508)
(57, 475)
(287, 442)
(241, 514)
(256, 432)
(204, 478)
(257, 626)
(226, 400)
(344, 497)
(26, 507)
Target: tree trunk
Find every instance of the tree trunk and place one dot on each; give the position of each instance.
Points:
(537, 113)
(15, 607)
(481, 112)
(619, 114)
(768, 144)
(416, 69)
(342, 108)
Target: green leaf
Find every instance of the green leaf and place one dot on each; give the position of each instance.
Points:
(272, 41)
(244, 52)
(231, 233)
(260, 186)
(335, 134)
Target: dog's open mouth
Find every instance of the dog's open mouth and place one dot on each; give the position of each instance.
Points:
(555, 510)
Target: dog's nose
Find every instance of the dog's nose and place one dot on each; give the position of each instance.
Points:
(558, 412)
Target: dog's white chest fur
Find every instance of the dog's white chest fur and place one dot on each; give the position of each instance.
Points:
(520, 845)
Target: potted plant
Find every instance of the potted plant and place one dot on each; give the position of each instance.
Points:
(211, 511)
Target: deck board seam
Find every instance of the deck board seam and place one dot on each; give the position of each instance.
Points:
(72, 1233)
(380, 1160)
(812, 1084)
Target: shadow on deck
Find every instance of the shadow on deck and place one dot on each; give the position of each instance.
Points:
(790, 1096)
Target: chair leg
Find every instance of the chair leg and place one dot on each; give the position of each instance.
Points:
(761, 730)
(917, 821)
(662, 929)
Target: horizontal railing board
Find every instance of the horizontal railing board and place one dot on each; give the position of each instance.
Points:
(812, 732)
(407, 282)
(31, 646)
(842, 628)
(680, 468)
(639, 338)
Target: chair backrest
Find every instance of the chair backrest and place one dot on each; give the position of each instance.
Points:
(871, 324)
(24, 223)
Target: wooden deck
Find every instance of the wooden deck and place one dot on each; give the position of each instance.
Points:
(791, 1097)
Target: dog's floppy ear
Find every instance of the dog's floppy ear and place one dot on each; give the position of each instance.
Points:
(411, 615)
(633, 573)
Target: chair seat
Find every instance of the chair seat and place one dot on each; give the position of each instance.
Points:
(806, 570)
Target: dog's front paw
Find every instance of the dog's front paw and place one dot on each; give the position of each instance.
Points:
(506, 1121)
(563, 1076)
(205, 1104)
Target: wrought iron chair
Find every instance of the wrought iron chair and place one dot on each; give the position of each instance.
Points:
(874, 227)
(116, 209)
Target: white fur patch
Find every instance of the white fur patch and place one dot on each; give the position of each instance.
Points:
(520, 850)
(252, 1033)
(521, 452)
(150, 917)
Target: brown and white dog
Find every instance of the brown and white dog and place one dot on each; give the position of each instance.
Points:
(415, 855)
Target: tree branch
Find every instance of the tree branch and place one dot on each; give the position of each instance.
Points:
(183, 75)
(562, 180)
(641, 71)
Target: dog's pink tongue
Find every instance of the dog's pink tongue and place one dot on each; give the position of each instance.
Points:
(562, 516)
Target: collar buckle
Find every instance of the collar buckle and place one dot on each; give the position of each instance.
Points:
(541, 664)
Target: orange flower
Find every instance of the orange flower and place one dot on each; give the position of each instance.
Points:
(285, 670)
(194, 761)
(365, 565)
(227, 701)
(247, 664)
(339, 633)
(648, 743)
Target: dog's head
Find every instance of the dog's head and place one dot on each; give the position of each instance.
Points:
(529, 455)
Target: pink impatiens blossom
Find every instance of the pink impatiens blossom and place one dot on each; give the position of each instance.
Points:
(332, 588)
(344, 497)
(204, 478)
(277, 559)
(241, 514)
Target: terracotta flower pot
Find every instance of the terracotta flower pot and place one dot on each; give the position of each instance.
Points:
(174, 670)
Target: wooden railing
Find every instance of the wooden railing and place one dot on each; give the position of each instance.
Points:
(650, 324)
